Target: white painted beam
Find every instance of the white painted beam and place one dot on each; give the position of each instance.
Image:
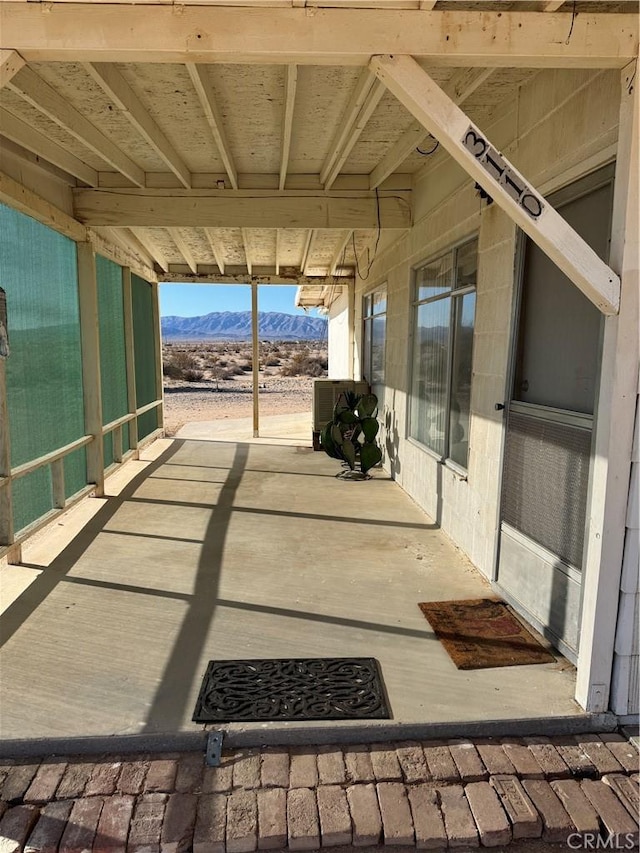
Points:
(28, 137)
(241, 209)
(426, 101)
(206, 96)
(116, 87)
(44, 98)
(462, 84)
(92, 32)
(364, 99)
(151, 247)
(183, 248)
(339, 252)
(290, 84)
(216, 248)
(247, 248)
(308, 248)
(10, 63)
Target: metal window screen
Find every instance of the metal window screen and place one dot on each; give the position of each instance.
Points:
(113, 365)
(38, 271)
(144, 347)
(545, 493)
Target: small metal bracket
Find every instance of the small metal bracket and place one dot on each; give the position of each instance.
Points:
(214, 749)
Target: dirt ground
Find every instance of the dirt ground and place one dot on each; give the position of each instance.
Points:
(208, 381)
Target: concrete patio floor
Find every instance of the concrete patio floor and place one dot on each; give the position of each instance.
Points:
(220, 549)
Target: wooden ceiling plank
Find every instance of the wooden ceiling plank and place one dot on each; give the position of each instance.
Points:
(184, 249)
(462, 84)
(290, 84)
(339, 253)
(116, 87)
(96, 32)
(216, 248)
(150, 245)
(28, 137)
(207, 98)
(44, 98)
(10, 63)
(426, 101)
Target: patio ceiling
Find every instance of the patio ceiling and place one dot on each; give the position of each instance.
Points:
(219, 143)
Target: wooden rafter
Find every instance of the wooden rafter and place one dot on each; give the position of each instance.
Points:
(216, 248)
(552, 5)
(435, 110)
(184, 249)
(206, 96)
(44, 98)
(306, 252)
(290, 83)
(129, 243)
(33, 140)
(93, 32)
(242, 209)
(364, 99)
(246, 243)
(10, 63)
(277, 257)
(150, 245)
(461, 85)
(116, 87)
(339, 252)
(427, 5)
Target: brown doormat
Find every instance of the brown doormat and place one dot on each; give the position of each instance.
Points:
(481, 633)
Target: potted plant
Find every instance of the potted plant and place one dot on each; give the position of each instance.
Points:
(351, 435)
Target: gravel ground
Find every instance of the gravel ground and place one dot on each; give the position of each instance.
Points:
(200, 401)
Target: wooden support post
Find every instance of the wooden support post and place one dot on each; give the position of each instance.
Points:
(6, 503)
(90, 335)
(613, 441)
(130, 357)
(57, 480)
(351, 325)
(157, 341)
(468, 146)
(256, 359)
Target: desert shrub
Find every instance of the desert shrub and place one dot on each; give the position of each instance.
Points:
(303, 364)
(192, 375)
(246, 366)
(272, 362)
(182, 360)
(170, 370)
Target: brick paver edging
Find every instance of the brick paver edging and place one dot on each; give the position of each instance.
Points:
(431, 795)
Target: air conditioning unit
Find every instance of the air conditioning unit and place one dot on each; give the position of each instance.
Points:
(325, 395)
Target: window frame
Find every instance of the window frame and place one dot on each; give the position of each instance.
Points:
(453, 293)
(367, 323)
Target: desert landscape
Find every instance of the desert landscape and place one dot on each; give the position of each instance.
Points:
(208, 380)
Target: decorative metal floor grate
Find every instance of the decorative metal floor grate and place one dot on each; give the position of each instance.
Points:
(292, 689)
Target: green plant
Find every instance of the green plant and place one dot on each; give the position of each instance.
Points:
(351, 435)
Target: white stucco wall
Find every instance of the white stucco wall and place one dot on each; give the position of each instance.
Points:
(340, 351)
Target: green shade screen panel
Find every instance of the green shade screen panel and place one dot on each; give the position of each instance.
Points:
(144, 332)
(38, 271)
(113, 359)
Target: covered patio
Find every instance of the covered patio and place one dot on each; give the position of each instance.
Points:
(219, 549)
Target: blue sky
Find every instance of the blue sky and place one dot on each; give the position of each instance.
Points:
(195, 300)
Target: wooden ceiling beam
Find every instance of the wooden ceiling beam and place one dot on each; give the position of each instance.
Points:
(466, 144)
(150, 245)
(120, 92)
(35, 91)
(100, 32)
(206, 96)
(184, 249)
(242, 209)
(277, 258)
(33, 140)
(339, 253)
(290, 83)
(216, 248)
(552, 5)
(247, 249)
(10, 63)
(308, 248)
(363, 101)
(462, 84)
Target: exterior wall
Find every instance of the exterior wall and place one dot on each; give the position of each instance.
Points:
(341, 359)
(561, 125)
(625, 689)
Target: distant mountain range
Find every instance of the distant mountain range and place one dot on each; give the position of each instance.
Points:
(236, 326)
